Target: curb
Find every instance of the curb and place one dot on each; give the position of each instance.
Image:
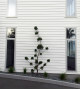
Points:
(61, 83)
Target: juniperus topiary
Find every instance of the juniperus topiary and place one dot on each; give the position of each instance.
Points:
(37, 64)
(45, 74)
(24, 71)
(11, 70)
(77, 80)
(63, 76)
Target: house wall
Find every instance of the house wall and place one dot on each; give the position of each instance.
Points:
(50, 17)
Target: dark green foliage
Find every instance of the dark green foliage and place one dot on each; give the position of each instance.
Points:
(63, 76)
(45, 74)
(36, 28)
(35, 67)
(36, 64)
(40, 53)
(11, 70)
(31, 63)
(48, 60)
(36, 61)
(36, 33)
(77, 80)
(39, 39)
(40, 46)
(46, 48)
(35, 50)
(24, 70)
(32, 58)
(32, 71)
(41, 67)
(26, 58)
(35, 55)
(40, 62)
(44, 64)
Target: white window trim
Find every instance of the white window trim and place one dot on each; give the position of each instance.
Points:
(7, 11)
(75, 16)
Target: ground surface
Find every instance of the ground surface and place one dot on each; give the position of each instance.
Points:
(6, 83)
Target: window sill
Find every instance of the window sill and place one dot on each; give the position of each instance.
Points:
(11, 17)
(71, 72)
(70, 17)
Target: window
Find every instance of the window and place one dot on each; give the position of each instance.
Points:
(71, 48)
(11, 33)
(11, 8)
(70, 8)
(10, 47)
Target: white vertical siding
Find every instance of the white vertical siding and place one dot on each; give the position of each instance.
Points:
(50, 17)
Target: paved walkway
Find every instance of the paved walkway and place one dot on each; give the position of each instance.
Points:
(6, 83)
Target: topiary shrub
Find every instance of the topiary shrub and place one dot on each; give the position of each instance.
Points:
(24, 70)
(63, 76)
(34, 61)
(77, 80)
(11, 70)
(45, 74)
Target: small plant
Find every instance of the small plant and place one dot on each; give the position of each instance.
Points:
(24, 71)
(63, 76)
(45, 74)
(11, 70)
(77, 80)
(32, 71)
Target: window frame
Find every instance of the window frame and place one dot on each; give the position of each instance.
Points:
(8, 10)
(72, 39)
(74, 9)
(14, 45)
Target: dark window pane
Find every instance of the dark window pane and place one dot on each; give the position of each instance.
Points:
(11, 32)
(70, 33)
(71, 55)
(10, 53)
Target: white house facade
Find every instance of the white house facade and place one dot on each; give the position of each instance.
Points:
(59, 25)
